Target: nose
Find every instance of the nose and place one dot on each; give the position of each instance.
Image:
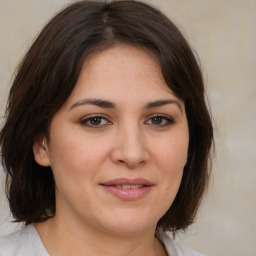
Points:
(130, 148)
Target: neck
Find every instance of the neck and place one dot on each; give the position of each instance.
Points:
(68, 238)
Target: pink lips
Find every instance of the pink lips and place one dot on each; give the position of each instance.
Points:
(128, 189)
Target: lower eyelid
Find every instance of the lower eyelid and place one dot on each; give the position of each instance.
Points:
(169, 121)
(166, 118)
(87, 119)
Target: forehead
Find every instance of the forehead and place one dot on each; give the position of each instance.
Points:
(119, 73)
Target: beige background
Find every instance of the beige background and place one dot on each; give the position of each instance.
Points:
(223, 33)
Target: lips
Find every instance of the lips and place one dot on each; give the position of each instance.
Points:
(129, 186)
(128, 189)
(125, 181)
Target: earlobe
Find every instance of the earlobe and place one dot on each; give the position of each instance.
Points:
(40, 150)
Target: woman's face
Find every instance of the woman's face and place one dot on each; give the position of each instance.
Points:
(118, 145)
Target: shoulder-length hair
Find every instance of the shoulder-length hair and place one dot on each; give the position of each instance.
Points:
(48, 73)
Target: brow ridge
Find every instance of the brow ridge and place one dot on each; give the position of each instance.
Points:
(107, 104)
(159, 103)
(95, 102)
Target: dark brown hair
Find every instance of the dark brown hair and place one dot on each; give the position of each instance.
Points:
(49, 72)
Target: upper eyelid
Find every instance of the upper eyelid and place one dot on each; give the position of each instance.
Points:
(107, 117)
(87, 118)
(94, 115)
(160, 115)
(165, 116)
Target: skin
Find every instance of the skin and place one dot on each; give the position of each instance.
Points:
(125, 141)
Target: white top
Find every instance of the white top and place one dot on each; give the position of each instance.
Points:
(27, 242)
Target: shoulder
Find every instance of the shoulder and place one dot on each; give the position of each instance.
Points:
(173, 248)
(24, 242)
(17, 243)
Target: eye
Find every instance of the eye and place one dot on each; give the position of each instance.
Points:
(95, 121)
(160, 120)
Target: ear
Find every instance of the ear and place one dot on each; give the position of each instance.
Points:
(40, 150)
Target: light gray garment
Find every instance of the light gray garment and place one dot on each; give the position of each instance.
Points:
(27, 242)
(24, 242)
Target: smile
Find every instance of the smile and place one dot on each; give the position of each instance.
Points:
(129, 186)
(128, 189)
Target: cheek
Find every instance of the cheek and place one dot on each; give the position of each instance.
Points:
(74, 157)
(173, 153)
(171, 159)
(72, 169)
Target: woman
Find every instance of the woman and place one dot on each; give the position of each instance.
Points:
(107, 135)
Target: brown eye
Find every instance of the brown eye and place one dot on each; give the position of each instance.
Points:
(160, 121)
(157, 120)
(95, 122)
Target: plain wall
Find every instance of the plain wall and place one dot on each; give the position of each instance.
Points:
(223, 34)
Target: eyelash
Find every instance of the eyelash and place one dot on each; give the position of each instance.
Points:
(87, 121)
(168, 120)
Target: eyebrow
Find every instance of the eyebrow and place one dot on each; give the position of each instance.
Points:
(159, 103)
(111, 105)
(95, 102)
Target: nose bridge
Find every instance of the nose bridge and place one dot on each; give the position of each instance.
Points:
(132, 139)
(131, 149)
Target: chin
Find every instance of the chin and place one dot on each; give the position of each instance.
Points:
(130, 223)
(128, 228)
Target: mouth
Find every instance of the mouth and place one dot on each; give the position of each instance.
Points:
(128, 182)
(129, 186)
(128, 189)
